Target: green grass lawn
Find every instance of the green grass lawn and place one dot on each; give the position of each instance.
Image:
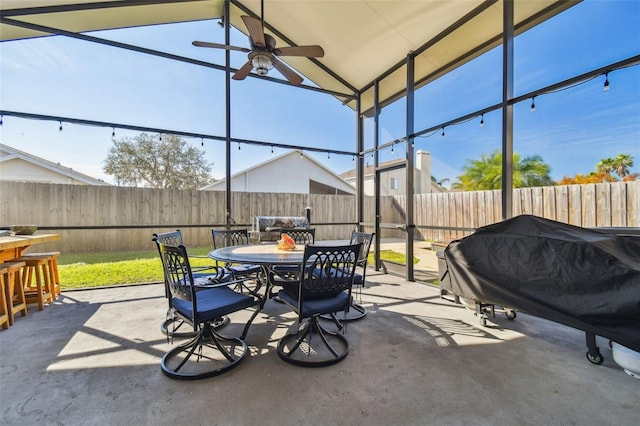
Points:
(105, 269)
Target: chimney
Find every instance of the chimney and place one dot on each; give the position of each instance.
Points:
(423, 172)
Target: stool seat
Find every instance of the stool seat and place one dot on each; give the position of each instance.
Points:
(53, 270)
(13, 290)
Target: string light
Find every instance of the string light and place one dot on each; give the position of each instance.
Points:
(606, 82)
(533, 104)
(202, 142)
(113, 132)
(328, 155)
(239, 148)
(1, 119)
(353, 159)
(392, 147)
(160, 137)
(271, 149)
(301, 154)
(60, 128)
(442, 135)
(482, 120)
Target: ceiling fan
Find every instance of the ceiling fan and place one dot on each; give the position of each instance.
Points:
(263, 54)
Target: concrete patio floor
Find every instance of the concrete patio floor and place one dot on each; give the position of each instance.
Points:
(93, 358)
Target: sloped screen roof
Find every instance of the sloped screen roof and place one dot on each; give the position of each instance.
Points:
(362, 39)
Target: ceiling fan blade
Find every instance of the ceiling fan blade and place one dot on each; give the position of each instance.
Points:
(255, 30)
(291, 75)
(219, 46)
(308, 51)
(243, 71)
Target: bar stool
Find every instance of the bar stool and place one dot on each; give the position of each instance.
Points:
(37, 290)
(13, 290)
(53, 270)
(4, 311)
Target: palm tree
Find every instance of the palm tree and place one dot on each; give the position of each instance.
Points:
(622, 163)
(619, 165)
(486, 173)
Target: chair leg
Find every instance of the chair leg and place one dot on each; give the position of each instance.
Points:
(171, 326)
(4, 310)
(208, 354)
(14, 291)
(298, 349)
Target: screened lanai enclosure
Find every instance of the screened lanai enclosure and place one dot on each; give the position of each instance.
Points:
(449, 79)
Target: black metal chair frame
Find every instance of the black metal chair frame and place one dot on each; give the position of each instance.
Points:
(324, 287)
(171, 325)
(301, 236)
(358, 311)
(291, 272)
(238, 237)
(199, 302)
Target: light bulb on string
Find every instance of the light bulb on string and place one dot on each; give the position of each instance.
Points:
(60, 128)
(301, 154)
(442, 135)
(606, 82)
(202, 142)
(392, 147)
(272, 150)
(1, 119)
(328, 156)
(113, 132)
(533, 104)
(353, 159)
(239, 148)
(160, 137)
(482, 120)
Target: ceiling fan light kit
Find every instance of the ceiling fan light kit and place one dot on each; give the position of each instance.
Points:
(262, 62)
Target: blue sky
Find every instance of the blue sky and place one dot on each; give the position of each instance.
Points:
(572, 130)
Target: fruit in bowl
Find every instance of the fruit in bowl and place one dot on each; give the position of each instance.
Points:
(24, 229)
(286, 243)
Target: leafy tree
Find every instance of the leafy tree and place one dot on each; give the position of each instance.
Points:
(486, 173)
(167, 163)
(593, 177)
(604, 171)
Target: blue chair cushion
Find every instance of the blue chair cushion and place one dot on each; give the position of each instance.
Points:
(213, 303)
(326, 305)
(204, 279)
(242, 270)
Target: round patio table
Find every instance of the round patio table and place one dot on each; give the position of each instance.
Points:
(265, 255)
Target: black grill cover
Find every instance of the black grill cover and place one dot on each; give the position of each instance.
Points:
(581, 278)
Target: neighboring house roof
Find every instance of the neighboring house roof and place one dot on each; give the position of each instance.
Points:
(16, 165)
(288, 172)
(422, 168)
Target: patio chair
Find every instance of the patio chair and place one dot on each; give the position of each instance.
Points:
(302, 237)
(200, 302)
(323, 287)
(358, 311)
(171, 325)
(248, 272)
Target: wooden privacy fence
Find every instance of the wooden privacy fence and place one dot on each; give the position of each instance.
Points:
(593, 205)
(109, 218)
